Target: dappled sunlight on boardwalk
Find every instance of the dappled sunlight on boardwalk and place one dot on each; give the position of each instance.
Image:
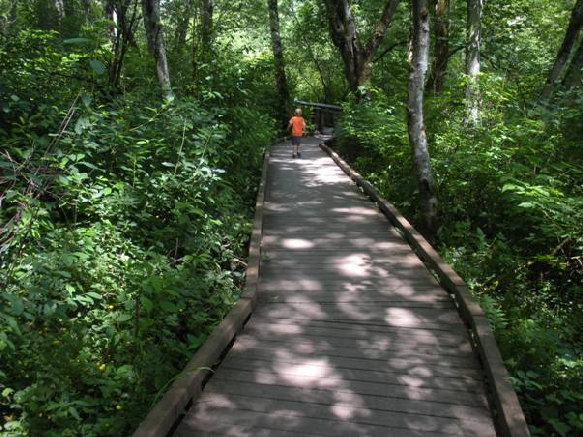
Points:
(352, 336)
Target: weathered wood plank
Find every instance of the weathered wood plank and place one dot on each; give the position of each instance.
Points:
(405, 363)
(330, 397)
(255, 370)
(208, 416)
(355, 348)
(347, 412)
(353, 330)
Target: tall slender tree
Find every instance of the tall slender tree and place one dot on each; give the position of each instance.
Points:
(280, 77)
(155, 37)
(184, 18)
(60, 8)
(206, 10)
(575, 24)
(441, 46)
(419, 59)
(111, 15)
(574, 74)
(356, 56)
(474, 40)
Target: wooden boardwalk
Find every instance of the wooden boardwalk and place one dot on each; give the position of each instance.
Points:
(352, 336)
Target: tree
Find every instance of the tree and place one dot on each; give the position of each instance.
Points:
(574, 73)
(156, 46)
(280, 77)
(575, 24)
(183, 21)
(357, 57)
(207, 26)
(123, 14)
(417, 136)
(60, 7)
(441, 47)
(473, 29)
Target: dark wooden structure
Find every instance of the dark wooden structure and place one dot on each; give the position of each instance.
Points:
(349, 333)
(324, 114)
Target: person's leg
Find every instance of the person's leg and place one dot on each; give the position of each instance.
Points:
(295, 141)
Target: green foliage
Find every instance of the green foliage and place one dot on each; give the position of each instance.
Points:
(511, 208)
(124, 229)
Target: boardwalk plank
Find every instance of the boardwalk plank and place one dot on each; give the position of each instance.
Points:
(352, 335)
(330, 396)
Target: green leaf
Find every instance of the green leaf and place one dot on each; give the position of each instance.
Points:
(146, 303)
(123, 317)
(168, 306)
(63, 180)
(81, 125)
(95, 295)
(74, 413)
(77, 41)
(17, 306)
(98, 67)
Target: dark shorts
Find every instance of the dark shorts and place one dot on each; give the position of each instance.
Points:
(296, 140)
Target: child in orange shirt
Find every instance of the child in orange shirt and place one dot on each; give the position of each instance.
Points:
(297, 125)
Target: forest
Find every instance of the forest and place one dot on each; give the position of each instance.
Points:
(132, 140)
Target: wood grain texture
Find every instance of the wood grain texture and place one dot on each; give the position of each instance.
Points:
(351, 336)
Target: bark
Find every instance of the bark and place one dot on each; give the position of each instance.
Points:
(417, 137)
(111, 15)
(280, 77)
(60, 8)
(86, 5)
(441, 47)
(474, 38)
(356, 56)
(574, 74)
(122, 35)
(182, 25)
(155, 38)
(207, 27)
(575, 23)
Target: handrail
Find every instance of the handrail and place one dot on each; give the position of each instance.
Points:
(318, 105)
(509, 417)
(189, 384)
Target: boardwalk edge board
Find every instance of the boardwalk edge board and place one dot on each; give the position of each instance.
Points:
(188, 386)
(508, 413)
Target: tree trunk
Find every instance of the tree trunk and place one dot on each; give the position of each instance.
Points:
(111, 15)
(182, 25)
(207, 28)
(574, 74)
(575, 24)
(417, 136)
(86, 6)
(60, 8)
(155, 37)
(473, 62)
(441, 48)
(122, 34)
(357, 58)
(280, 78)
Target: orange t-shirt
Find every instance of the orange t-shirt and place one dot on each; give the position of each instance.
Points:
(297, 125)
